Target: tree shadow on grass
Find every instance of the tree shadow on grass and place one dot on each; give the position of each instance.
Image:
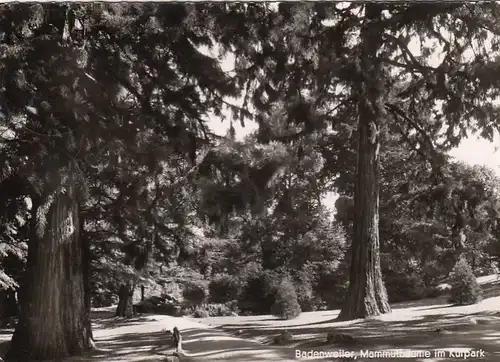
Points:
(116, 322)
(129, 347)
(413, 331)
(438, 301)
(491, 289)
(221, 346)
(202, 344)
(419, 333)
(214, 344)
(430, 331)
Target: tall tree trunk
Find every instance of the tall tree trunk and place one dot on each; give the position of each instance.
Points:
(125, 306)
(142, 293)
(53, 320)
(367, 295)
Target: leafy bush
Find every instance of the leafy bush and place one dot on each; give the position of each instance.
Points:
(286, 305)
(156, 305)
(145, 307)
(232, 305)
(329, 282)
(434, 271)
(250, 270)
(465, 289)
(305, 293)
(220, 310)
(212, 310)
(258, 292)
(223, 288)
(177, 312)
(438, 290)
(405, 286)
(103, 298)
(201, 313)
(186, 311)
(194, 292)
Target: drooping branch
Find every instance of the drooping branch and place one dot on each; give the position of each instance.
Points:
(427, 148)
(424, 69)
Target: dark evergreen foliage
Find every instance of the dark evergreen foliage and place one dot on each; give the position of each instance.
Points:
(195, 292)
(286, 305)
(465, 289)
(223, 288)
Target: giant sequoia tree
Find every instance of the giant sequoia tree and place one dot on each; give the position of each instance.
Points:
(425, 72)
(420, 87)
(94, 92)
(38, 106)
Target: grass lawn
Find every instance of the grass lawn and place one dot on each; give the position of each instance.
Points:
(426, 325)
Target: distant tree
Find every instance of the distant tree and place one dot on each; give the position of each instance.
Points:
(418, 219)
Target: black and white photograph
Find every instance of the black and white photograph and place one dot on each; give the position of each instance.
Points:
(250, 181)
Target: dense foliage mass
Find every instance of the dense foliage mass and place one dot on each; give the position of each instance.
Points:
(112, 182)
(285, 304)
(465, 289)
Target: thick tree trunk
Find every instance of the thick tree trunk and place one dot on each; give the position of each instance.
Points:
(367, 295)
(125, 306)
(142, 293)
(53, 320)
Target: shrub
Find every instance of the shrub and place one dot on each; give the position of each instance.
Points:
(286, 305)
(186, 311)
(224, 311)
(438, 290)
(104, 299)
(219, 310)
(305, 293)
(223, 288)
(194, 292)
(257, 295)
(177, 312)
(232, 305)
(329, 282)
(155, 304)
(405, 286)
(201, 313)
(211, 310)
(465, 289)
(250, 270)
(434, 272)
